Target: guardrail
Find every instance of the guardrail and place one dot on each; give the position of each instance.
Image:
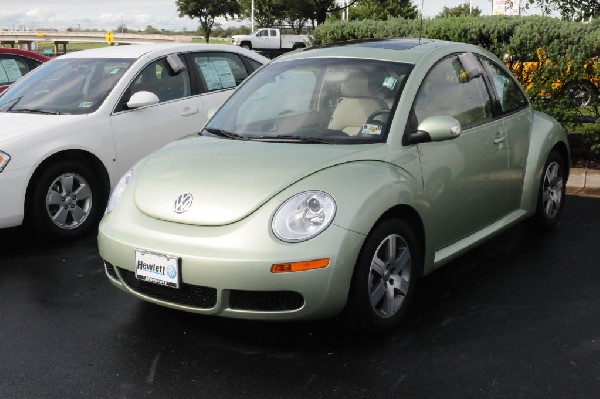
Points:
(30, 39)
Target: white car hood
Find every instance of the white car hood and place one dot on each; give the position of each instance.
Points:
(14, 125)
(230, 179)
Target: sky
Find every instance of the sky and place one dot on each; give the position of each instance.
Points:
(134, 14)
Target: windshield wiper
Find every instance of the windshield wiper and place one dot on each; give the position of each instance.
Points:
(35, 111)
(225, 133)
(287, 137)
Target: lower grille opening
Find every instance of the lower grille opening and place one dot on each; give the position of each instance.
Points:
(265, 301)
(188, 295)
(110, 270)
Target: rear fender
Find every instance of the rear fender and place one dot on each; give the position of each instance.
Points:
(546, 134)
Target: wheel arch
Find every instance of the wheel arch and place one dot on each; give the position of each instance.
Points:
(81, 156)
(410, 215)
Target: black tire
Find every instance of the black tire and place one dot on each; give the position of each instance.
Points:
(581, 94)
(247, 46)
(382, 289)
(65, 201)
(551, 192)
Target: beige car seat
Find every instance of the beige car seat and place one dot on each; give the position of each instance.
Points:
(355, 106)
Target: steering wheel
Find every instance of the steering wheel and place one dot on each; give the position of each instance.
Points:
(375, 114)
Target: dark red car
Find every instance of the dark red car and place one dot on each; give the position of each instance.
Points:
(15, 63)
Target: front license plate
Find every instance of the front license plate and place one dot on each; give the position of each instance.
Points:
(157, 268)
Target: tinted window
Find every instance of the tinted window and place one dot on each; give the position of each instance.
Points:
(253, 65)
(220, 70)
(160, 79)
(12, 67)
(449, 90)
(509, 94)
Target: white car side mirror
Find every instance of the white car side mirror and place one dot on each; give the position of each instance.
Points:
(142, 99)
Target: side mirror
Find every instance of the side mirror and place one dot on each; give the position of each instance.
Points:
(142, 99)
(211, 112)
(436, 128)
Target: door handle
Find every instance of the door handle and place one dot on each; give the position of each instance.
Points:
(500, 138)
(189, 111)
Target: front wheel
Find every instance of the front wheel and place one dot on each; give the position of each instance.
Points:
(551, 194)
(65, 201)
(384, 277)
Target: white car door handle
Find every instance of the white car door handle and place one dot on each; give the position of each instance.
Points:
(189, 111)
(500, 139)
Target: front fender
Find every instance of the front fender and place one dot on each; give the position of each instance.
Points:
(363, 191)
(546, 134)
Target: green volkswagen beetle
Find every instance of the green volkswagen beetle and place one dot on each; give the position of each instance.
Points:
(332, 180)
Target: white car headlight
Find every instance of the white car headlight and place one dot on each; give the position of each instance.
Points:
(118, 191)
(4, 159)
(303, 216)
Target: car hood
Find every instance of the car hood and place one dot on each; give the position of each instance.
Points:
(20, 124)
(230, 179)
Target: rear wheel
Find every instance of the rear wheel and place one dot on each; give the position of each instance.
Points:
(551, 195)
(384, 277)
(581, 94)
(65, 201)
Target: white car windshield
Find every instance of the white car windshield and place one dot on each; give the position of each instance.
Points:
(314, 100)
(71, 86)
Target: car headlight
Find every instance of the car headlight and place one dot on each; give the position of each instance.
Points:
(303, 216)
(118, 191)
(4, 159)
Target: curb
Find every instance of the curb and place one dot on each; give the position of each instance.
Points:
(583, 179)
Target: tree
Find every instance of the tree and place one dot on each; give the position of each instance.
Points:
(572, 10)
(463, 10)
(206, 11)
(383, 9)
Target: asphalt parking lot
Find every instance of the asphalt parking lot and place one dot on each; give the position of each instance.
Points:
(516, 318)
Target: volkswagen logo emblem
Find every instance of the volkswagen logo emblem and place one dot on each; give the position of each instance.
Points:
(183, 202)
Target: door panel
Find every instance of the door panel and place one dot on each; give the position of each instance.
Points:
(464, 178)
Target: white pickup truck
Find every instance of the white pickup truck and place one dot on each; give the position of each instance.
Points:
(271, 41)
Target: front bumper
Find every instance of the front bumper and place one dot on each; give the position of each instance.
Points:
(226, 270)
(13, 184)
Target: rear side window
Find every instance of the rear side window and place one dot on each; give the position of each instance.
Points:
(12, 68)
(509, 94)
(220, 70)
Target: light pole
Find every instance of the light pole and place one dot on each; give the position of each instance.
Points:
(252, 16)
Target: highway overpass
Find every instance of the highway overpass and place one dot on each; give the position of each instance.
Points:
(30, 39)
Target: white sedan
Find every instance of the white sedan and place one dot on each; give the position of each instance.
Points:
(72, 127)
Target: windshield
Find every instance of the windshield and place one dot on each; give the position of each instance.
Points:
(314, 100)
(65, 86)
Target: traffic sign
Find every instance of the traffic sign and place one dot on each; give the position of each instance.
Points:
(109, 38)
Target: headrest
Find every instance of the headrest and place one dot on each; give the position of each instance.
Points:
(356, 87)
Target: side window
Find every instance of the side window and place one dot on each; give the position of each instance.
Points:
(160, 78)
(220, 70)
(264, 32)
(273, 32)
(509, 94)
(448, 90)
(12, 68)
(254, 65)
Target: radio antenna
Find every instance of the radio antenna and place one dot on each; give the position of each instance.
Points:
(421, 22)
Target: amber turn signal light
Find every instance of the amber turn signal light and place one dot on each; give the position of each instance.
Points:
(300, 266)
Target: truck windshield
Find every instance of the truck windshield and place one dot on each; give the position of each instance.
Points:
(314, 101)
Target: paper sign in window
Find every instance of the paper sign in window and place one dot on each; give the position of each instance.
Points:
(11, 69)
(217, 75)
